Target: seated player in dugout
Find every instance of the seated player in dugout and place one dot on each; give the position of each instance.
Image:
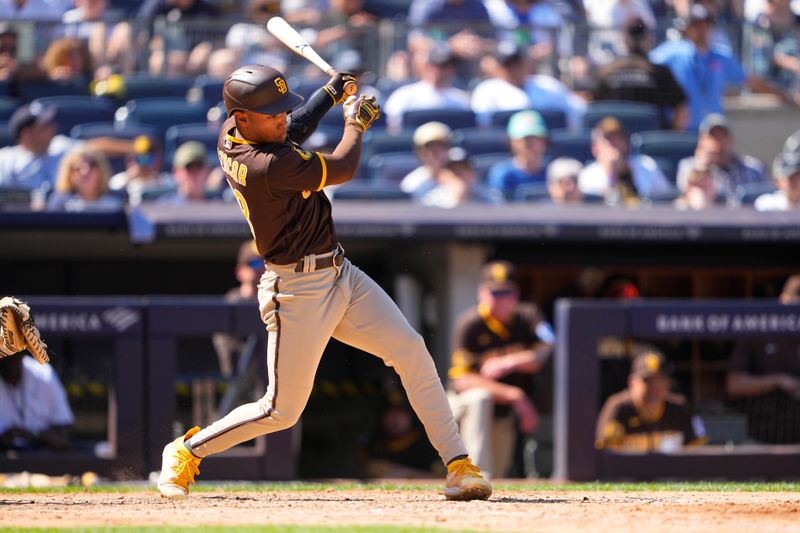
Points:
(497, 348)
(646, 416)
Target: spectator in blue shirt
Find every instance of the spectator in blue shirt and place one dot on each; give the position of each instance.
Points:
(527, 134)
(704, 70)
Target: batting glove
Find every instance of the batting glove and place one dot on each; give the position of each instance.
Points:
(337, 85)
(361, 110)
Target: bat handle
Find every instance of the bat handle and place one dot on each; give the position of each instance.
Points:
(350, 87)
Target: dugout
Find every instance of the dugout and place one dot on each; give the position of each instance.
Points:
(584, 326)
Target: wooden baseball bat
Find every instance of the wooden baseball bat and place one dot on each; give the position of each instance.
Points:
(285, 33)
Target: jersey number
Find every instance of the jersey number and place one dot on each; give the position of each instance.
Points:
(245, 210)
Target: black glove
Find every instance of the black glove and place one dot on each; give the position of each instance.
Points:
(361, 110)
(342, 85)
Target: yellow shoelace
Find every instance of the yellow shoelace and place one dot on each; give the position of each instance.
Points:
(186, 468)
(465, 467)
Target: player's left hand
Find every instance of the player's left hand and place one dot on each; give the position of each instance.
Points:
(18, 332)
(336, 86)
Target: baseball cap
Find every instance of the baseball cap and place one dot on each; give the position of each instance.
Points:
(648, 364)
(697, 13)
(786, 165)
(441, 55)
(499, 275)
(526, 124)
(609, 126)
(563, 167)
(27, 115)
(189, 152)
(636, 28)
(507, 52)
(714, 120)
(432, 132)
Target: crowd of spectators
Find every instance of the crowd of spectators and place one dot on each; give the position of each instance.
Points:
(501, 100)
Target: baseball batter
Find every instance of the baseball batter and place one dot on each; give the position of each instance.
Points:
(310, 291)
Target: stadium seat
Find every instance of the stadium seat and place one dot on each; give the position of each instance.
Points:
(160, 113)
(477, 141)
(5, 87)
(555, 119)
(146, 86)
(390, 167)
(483, 162)
(89, 130)
(5, 135)
(666, 147)
(577, 145)
(31, 90)
(369, 190)
(206, 89)
(747, 194)
(634, 116)
(181, 133)
(73, 109)
(7, 107)
(531, 192)
(455, 118)
(378, 141)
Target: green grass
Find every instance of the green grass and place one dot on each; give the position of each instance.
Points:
(541, 486)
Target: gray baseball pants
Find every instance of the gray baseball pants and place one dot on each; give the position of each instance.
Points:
(301, 312)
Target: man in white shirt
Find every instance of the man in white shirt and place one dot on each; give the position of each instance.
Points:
(786, 173)
(616, 174)
(34, 160)
(510, 86)
(431, 141)
(34, 410)
(434, 90)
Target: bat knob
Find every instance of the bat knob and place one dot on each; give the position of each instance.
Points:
(350, 88)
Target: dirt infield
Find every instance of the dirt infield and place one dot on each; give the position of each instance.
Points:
(512, 510)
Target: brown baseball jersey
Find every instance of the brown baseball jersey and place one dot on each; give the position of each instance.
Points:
(278, 187)
(478, 336)
(621, 425)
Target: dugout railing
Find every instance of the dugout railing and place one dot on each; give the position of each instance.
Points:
(141, 414)
(583, 324)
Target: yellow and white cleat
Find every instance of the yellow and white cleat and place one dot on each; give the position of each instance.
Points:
(178, 468)
(465, 482)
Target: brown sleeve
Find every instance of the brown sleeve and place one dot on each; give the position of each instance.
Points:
(294, 170)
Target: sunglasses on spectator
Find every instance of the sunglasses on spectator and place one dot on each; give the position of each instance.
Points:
(256, 264)
(501, 293)
(195, 165)
(85, 166)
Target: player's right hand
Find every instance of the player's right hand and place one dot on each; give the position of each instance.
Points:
(361, 110)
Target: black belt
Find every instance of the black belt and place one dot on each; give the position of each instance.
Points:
(324, 262)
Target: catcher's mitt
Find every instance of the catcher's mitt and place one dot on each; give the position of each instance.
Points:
(18, 332)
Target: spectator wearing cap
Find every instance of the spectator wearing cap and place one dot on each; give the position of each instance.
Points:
(497, 347)
(635, 78)
(764, 380)
(715, 154)
(510, 85)
(143, 172)
(434, 90)
(527, 135)
(457, 184)
(431, 141)
(786, 173)
(616, 174)
(190, 172)
(705, 71)
(248, 271)
(82, 184)
(646, 416)
(32, 163)
(562, 181)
